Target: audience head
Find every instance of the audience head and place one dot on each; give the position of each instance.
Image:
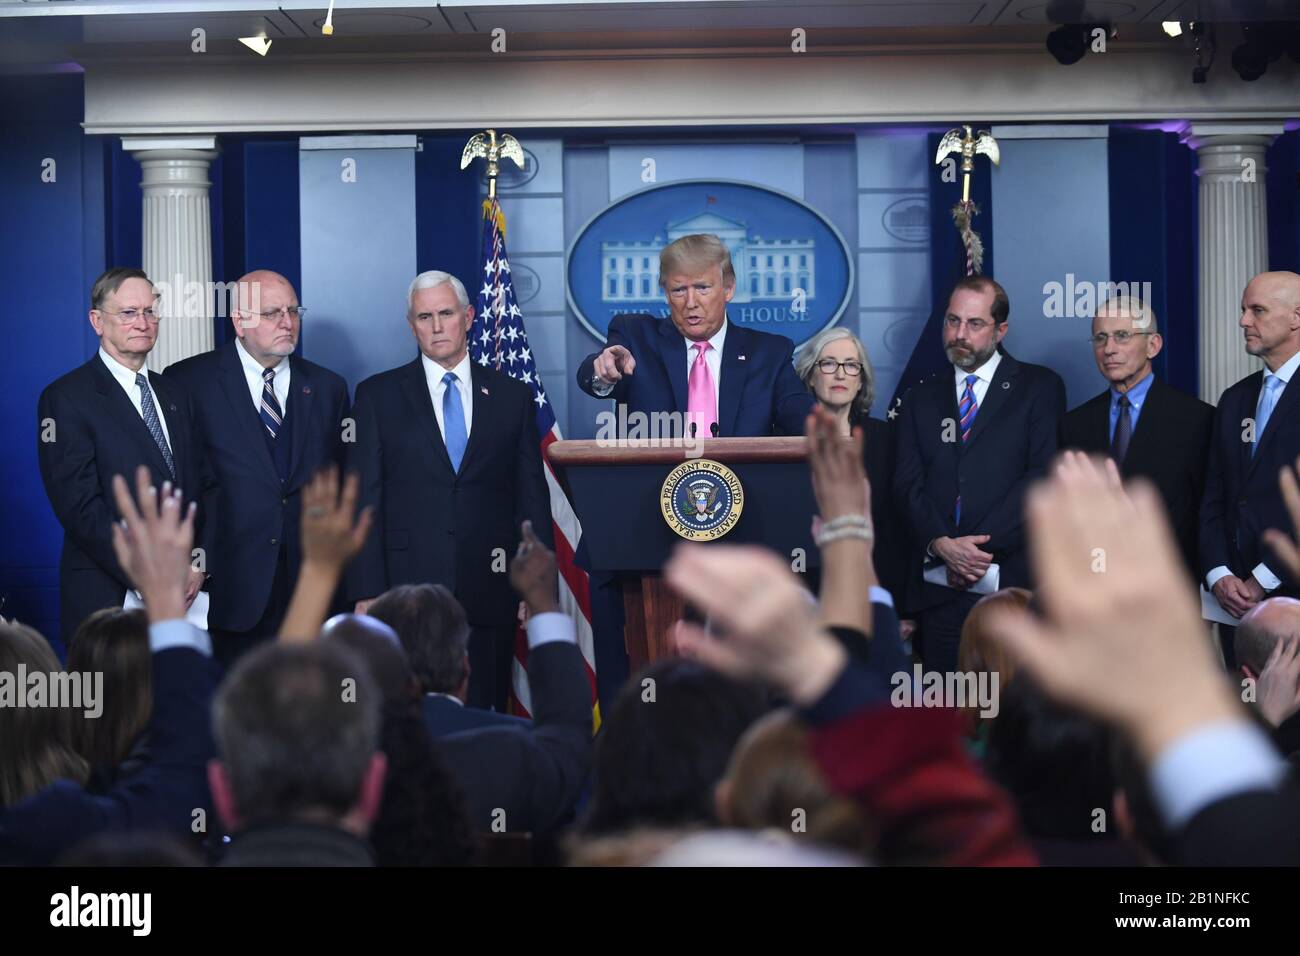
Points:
(113, 642)
(1261, 628)
(438, 309)
(1056, 764)
(378, 646)
(1125, 338)
(665, 745)
(980, 651)
(696, 275)
(267, 317)
(422, 819)
(434, 631)
(1270, 317)
(974, 321)
(297, 733)
(35, 742)
(123, 304)
(774, 784)
(849, 383)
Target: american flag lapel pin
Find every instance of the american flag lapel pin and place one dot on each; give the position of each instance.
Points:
(483, 389)
(740, 358)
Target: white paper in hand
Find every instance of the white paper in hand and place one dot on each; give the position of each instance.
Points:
(985, 585)
(1212, 610)
(196, 615)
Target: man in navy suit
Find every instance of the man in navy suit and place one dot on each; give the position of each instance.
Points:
(432, 627)
(449, 459)
(1151, 429)
(106, 418)
(700, 365)
(1256, 433)
(271, 420)
(970, 442)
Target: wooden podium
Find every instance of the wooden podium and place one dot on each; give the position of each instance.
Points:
(615, 490)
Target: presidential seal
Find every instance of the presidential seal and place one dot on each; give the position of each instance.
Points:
(701, 499)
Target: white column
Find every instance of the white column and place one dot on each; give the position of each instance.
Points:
(178, 239)
(1233, 240)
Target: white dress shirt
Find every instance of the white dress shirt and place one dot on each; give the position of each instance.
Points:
(1261, 572)
(712, 358)
(433, 374)
(253, 375)
(980, 388)
(1209, 764)
(126, 378)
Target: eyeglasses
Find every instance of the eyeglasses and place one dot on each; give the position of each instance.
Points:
(1122, 337)
(294, 312)
(128, 316)
(974, 325)
(702, 289)
(829, 366)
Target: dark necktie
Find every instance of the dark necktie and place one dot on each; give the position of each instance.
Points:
(1123, 431)
(150, 413)
(269, 407)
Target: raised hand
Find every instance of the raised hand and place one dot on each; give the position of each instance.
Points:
(1278, 686)
(839, 480)
(152, 543)
(330, 537)
(1124, 643)
(533, 573)
(1284, 545)
(772, 631)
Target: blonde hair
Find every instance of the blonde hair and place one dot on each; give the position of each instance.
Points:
(697, 250)
(805, 366)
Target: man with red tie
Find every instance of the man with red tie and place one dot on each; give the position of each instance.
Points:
(700, 365)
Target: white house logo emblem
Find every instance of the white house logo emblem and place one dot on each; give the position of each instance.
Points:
(794, 270)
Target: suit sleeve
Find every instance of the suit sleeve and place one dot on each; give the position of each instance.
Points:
(532, 496)
(367, 576)
(924, 522)
(792, 403)
(1213, 539)
(73, 483)
(1006, 524)
(560, 750)
(586, 371)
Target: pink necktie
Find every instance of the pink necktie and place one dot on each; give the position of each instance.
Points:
(701, 400)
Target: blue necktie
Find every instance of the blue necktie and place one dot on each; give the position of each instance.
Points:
(150, 413)
(1267, 402)
(966, 408)
(453, 420)
(269, 408)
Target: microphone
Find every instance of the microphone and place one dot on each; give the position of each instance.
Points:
(713, 427)
(692, 429)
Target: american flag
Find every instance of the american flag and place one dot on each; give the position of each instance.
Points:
(498, 341)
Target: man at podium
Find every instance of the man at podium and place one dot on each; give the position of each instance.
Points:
(725, 379)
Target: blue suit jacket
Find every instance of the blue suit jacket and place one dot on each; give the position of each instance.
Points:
(444, 716)
(758, 392)
(256, 507)
(1242, 496)
(1011, 444)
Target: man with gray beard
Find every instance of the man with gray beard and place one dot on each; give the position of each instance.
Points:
(970, 442)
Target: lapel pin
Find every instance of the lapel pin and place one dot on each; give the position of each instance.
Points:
(1006, 385)
(483, 389)
(740, 358)
(172, 407)
(306, 389)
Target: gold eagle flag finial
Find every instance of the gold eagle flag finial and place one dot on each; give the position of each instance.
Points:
(486, 145)
(969, 144)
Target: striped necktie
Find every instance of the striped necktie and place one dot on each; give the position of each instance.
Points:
(966, 409)
(269, 408)
(150, 414)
